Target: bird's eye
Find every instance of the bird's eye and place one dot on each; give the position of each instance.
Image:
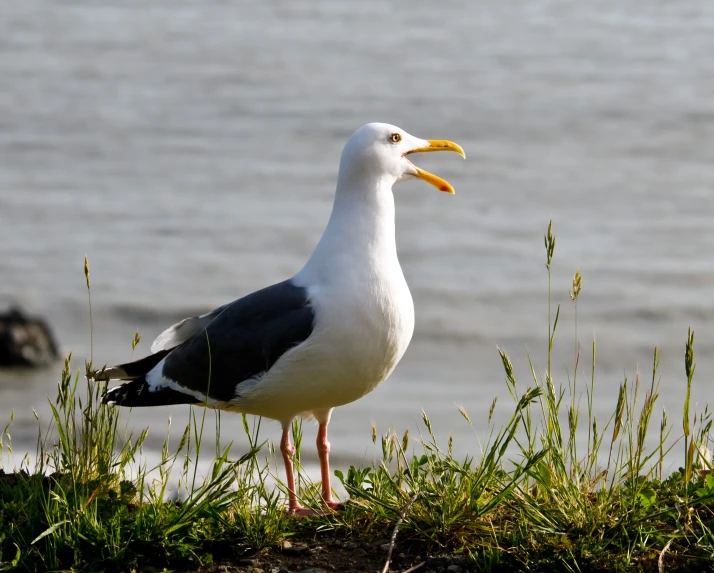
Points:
(395, 138)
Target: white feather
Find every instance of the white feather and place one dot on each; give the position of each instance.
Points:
(184, 330)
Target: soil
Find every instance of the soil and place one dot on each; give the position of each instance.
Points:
(326, 553)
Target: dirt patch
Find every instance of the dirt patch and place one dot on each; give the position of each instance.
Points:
(326, 554)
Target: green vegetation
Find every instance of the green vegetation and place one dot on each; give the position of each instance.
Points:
(554, 490)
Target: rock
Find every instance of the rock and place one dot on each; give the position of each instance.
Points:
(385, 547)
(358, 553)
(25, 340)
(312, 570)
(247, 562)
(453, 569)
(295, 549)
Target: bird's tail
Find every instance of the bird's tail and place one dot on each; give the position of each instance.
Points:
(137, 393)
(130, 370)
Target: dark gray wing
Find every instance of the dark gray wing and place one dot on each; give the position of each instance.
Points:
(242, 341)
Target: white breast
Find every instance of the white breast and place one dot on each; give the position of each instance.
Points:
(360, 336)
(368, 324)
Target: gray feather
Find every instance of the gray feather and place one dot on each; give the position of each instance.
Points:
(184, 330)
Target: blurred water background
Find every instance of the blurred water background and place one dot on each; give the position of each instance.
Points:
(190, 150)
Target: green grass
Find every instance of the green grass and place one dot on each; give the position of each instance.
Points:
(555, 489)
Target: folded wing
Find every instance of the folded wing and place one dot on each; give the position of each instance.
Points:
(242, 341)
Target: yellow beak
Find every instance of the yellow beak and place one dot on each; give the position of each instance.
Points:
(437, 145)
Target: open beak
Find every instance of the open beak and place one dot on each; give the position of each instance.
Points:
(436, 145)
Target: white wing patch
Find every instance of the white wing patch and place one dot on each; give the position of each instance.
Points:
(184, 330)
(156, 381)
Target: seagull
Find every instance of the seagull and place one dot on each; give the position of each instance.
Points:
(321, 339)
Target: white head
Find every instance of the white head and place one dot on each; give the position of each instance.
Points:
(377, 152)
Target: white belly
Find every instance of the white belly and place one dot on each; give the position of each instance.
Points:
(359, 338)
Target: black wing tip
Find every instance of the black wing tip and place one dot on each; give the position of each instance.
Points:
(137, 394)
(124, 394)
(135, 370)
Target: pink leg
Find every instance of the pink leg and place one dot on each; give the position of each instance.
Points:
(323, 451)
(288, 451)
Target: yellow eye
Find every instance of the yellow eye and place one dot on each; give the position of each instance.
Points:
(395, 138)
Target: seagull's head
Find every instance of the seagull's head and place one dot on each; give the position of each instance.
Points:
(379, 151)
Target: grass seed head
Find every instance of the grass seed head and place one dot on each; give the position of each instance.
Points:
(491, 410)
(427, 421)
(689, 364)
(577, 283)
(387, 446)
(549, 240)
(689, 367)
(465, 415)
(86, 270)
(507, 367)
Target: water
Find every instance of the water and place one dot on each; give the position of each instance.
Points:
(190, 150)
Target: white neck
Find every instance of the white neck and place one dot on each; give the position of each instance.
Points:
(360, 235)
